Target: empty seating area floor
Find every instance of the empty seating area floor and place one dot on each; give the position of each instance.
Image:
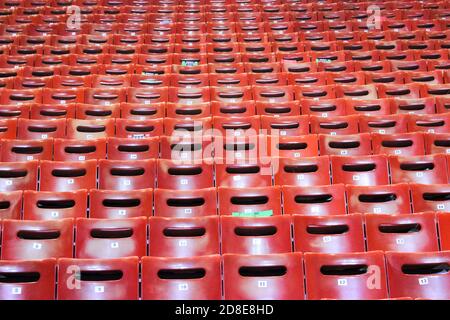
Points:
(224, 149)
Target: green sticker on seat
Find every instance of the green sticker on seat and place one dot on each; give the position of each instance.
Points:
(265, 213)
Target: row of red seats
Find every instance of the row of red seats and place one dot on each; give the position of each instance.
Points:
(326, 200)
(369, 109)
(190, 96)
(222, 35)
(406, 144)
(232, 130)
(178, 175)
(188, 237)
(370, 275)
(254, 79)
(310, 5)
(245, 23)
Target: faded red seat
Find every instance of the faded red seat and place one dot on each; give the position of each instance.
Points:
(314, 200)
(79, 150)
(68, 175)
(261, 277)
(249, 201)
(112, 204)
(111, 238)
(263, 235)
(405, 144)
(192, 278)
(30, 240)
(306, 171)
(418, 275)
(345, 276)
(133, 149)
(18, 176)
(429, 169)
(11, 205)
(52, 205)
(26, 150)
(403, 233)
(100, 279)
(185, 203)
(329, 234)
(391, 199)
(384, 124)
(352, 145)
(184, 237)
(430, 197)
(360, 170)
(40, 285)
(126, 174)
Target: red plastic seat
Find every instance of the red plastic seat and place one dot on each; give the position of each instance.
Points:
(444, 227)
(248, 174)
(79, 150)
(264, 235)
(96, 112)
(352, 145)
(360, 170)
(390, 199)
(335, 125)
(418, 275)
(273, 94)
(395, 77)
(183, 127)
(323, 107)
(29, 240)
(279, 109)
(430, 197)
(18, 176)
(13, 97)
(303, 171)
(429, 77)
(112, 204)
(321, 200)
(29, 129)
(28, 280)
(254, 202)
(111, 238)
(16, 111)
(443, 104)
(437, 143)
(185, 148)
(403, 233)
(263, 277)
(356, 92)
(231, 95)
(126, 174)
(429, 169)
(184, 237)
(189, 278)
(68, 175)
(405, 144)
(384, 124)
(138, 129)
(62, 96)
(11, 205)
(133, 149)
(285, 126)
(89, 129)
(294, 146)
(414, 106)
(54, 205)
(8, 128)
(26, 150)
(431, 123)
(98, 279)
(52, 111)
(185, 203)
(329, 234)
(104, 96)
(237, 126)
(188, 111)
(346, 276)
(438, 90)
(139, 111)
(316, 92)
(181, 175)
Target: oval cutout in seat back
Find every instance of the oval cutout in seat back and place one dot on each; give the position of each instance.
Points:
(255, 231)
(330, 229)
(344, 270)
(262, 271)
(182, 274)
(184, 232)
(111, 233)
(38, 234)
